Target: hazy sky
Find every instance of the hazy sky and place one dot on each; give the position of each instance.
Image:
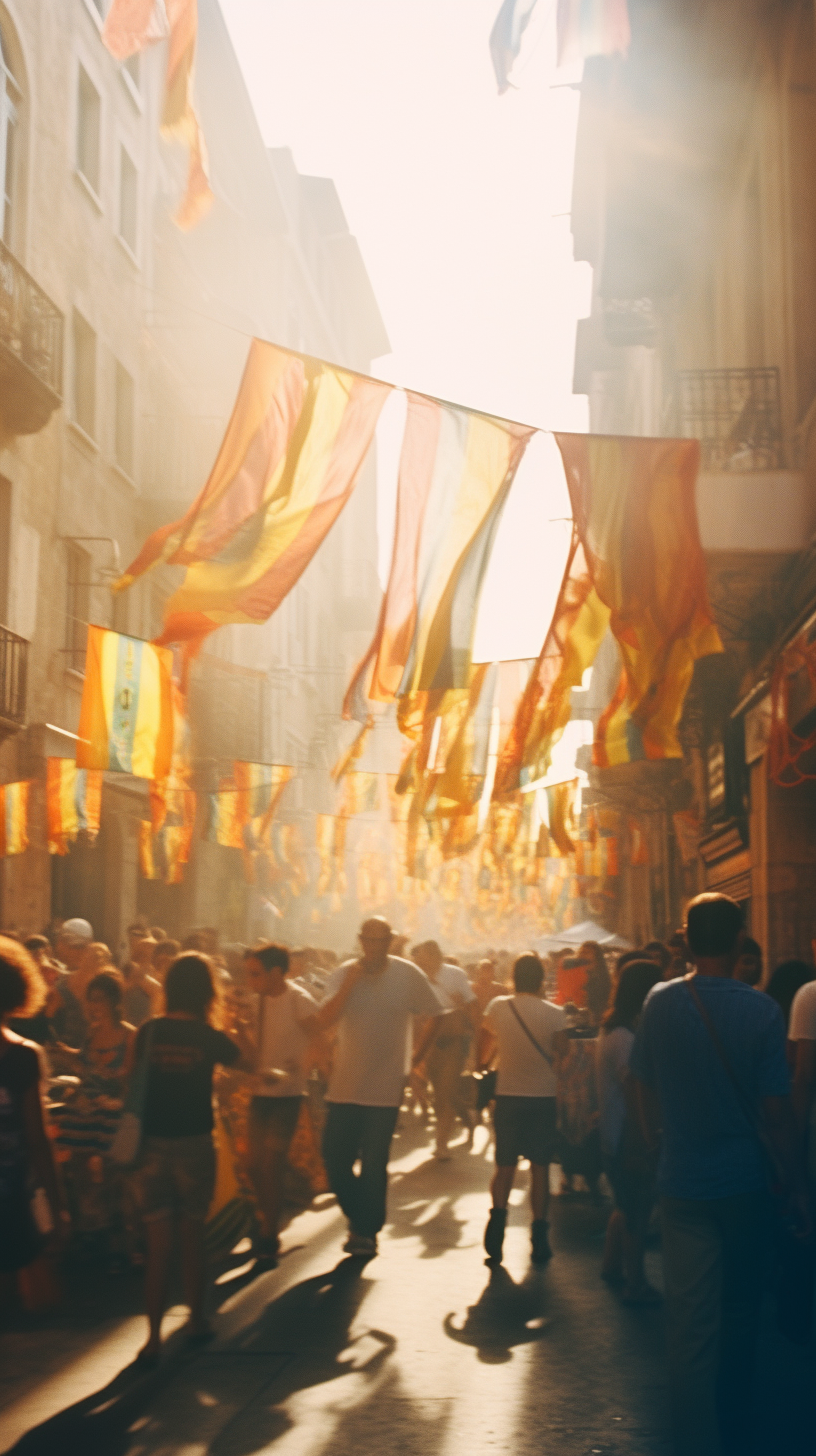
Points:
(459, 200)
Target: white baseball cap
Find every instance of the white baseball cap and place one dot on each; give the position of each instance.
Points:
(77, 930)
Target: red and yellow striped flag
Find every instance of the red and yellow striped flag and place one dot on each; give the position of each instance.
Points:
(147, 860)
(330, 831)
(635, 513)
(289, 461)
(126, 716)
(131, 26)
(73, 799)
(14, 817)
(456, 469)
(226, 822)
(579, 623)
(360, 794)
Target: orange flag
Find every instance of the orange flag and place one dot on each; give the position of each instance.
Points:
(131, 26)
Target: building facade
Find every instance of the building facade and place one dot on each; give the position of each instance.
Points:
(122, 342)
(695, 203)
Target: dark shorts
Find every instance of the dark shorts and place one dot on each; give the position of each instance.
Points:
(525, 1128)
(175, 1175)
(274, 1119)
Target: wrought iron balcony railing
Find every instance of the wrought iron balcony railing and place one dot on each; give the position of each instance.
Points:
(736, 416)
(31, 342)
(13, 679)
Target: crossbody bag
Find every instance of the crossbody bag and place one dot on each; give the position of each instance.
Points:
(751, 1114)
(525, 1028)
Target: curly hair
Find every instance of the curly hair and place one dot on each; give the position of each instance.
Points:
(22, 988)
(109, 983)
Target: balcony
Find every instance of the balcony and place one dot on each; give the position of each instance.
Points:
(13, 678)
(736, 416)
(31, 331)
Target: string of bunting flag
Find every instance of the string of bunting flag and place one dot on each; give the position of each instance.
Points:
(290, 458)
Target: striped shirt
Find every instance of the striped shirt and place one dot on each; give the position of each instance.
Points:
(709, 1149)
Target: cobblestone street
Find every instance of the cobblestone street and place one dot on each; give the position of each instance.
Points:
(423, 1351)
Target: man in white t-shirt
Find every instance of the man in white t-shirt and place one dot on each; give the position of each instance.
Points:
(802, 1031)
(523, 1028)
(286, 1032)
(447, 1045)
(373, 1001)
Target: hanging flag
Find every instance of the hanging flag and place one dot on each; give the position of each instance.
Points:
(591, 28)
(609, 857)
(259, 787)
(633, 501)
(293, 448)
(398, 804)
(354, 751)
(579, 623)
(171, 795)
(133, 25)
(560, 807)
(330, 832)
(147, 862)
(176, 841)
(289, 847)
(361, 794)
(226, 821)
(14, 817)
(474, 465)
(505, 38)
(126, 716)
(456, 469)
(463, 759)
(73, 799)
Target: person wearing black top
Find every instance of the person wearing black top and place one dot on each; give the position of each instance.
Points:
(25, 1150)
(175, 1175)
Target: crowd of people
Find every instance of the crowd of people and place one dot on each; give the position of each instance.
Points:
(665, 1078)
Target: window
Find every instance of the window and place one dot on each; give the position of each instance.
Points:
(128, 199)
(124, 419)
(77, 606)
(88, 130)
(84, 375)
(9, 98)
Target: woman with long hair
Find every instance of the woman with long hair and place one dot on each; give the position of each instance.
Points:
(174, 1177)
(627, 1163)
(26, 1160)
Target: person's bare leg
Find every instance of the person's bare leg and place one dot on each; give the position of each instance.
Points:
(194, 1273)
(159, 1232)
(501, 1185)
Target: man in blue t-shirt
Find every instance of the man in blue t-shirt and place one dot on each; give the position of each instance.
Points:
(709, 1059)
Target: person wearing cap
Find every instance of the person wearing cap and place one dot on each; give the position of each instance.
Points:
(68, 1014)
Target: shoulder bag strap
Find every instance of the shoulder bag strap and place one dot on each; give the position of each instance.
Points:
(742, 1098)
(525, 1028)
(752, 1114)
